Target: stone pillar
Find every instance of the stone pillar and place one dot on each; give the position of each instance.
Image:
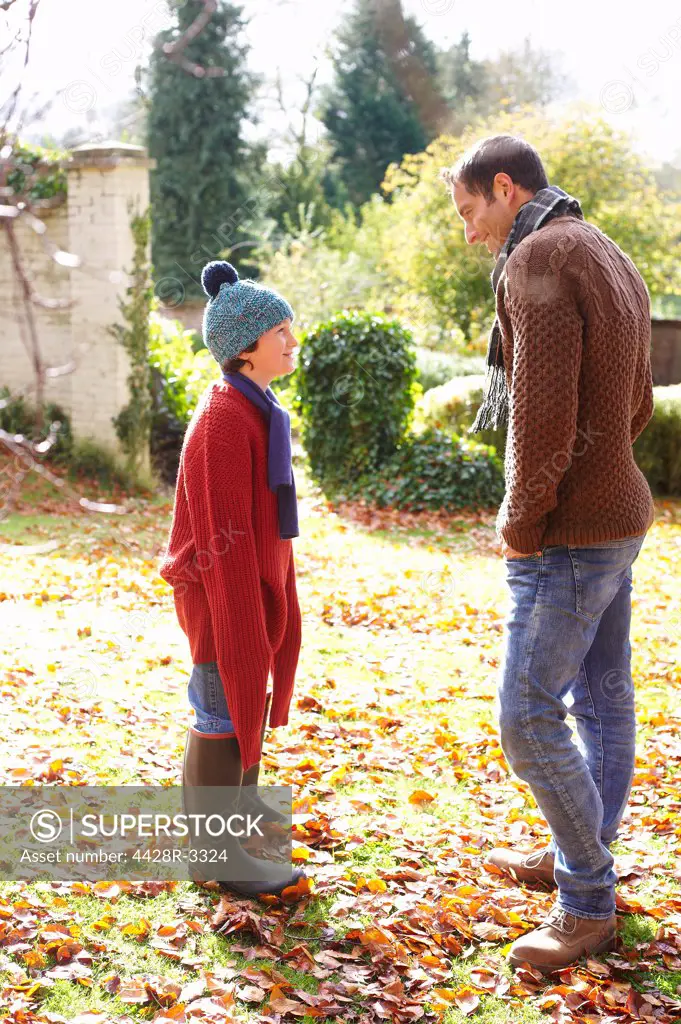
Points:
(103, 178)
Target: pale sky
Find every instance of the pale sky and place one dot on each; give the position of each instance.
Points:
(625, 59)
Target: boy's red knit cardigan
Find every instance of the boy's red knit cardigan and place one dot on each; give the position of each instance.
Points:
(233, 578)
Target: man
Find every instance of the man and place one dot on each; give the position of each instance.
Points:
(570, 374)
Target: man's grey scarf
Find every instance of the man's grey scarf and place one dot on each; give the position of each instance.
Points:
(546, 204)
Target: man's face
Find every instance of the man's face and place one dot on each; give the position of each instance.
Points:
(485, 223)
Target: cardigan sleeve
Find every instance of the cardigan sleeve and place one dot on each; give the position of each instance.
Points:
(221, 480)
(286, 657)
(179, 549)
(547, 330)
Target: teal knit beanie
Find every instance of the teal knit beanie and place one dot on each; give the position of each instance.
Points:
(237, 312)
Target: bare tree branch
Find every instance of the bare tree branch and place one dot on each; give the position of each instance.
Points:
(25, 286)
(298, 137)
(175, 50)
(24, 450)
(14, 98)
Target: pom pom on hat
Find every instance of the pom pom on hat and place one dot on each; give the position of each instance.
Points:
(216, 273)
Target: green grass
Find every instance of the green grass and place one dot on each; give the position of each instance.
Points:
(420, 665)
(668, 982)
(496, 1011)
(635, 928)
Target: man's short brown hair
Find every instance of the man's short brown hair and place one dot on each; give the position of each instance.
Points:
(509, 154)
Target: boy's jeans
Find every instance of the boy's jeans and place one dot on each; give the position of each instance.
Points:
(566, 648)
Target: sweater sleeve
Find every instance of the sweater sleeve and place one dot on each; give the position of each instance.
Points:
(180, 547)
(547, 330)
(286, 657)
(221, 481)
(644, 410)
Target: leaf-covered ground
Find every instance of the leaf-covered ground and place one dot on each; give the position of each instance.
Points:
(400, 787)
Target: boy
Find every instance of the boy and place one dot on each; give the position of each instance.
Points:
(230, 558)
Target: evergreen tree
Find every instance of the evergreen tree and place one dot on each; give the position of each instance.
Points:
(204, 190)
(302, 188)
(382, 103)
(463, 82)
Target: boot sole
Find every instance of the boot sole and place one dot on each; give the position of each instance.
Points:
(550, 886)
(272, 891)
(213, 885)
(233, 888)
(603, 947)
(535, 880)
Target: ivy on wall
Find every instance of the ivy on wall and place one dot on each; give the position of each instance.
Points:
(37, 172)
(133, 423)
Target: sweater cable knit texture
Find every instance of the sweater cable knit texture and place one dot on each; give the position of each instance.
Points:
(233, 578)
(574, 314)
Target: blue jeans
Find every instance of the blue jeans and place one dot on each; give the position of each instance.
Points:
(206, 695)
(567, 649)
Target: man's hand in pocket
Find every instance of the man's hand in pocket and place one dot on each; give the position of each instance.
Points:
(508, 552)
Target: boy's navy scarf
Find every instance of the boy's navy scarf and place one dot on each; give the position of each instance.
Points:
(279, 466)
(546, 204)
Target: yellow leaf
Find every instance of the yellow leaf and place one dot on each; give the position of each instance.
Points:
(420, 796)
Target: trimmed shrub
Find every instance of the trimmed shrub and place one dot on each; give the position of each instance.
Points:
(17, 416)
(37, 171)
(178, 378)
(82, 458)
(90, 460)
(658, 449)
(435, 470)
(435, 368)
(453, 407)
(356, 384)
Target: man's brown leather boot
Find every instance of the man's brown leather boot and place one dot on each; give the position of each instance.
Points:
(563, 939)
(526, 867)
(217, 762)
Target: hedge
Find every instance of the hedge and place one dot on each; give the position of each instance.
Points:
(453, 406)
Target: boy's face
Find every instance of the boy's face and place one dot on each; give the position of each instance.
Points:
(275, 354)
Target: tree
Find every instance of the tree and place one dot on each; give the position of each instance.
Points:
(522, 77)
(446, 282)
(512, 80)
(304, 190)
(382, 102)
(668, 176)
(205, 186)
(463, 82)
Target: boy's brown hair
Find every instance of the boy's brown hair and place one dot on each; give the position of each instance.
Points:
(235, 364)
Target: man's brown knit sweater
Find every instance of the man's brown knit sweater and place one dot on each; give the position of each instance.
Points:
(575, 321)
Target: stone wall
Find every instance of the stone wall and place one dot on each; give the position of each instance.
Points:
(91, 228)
